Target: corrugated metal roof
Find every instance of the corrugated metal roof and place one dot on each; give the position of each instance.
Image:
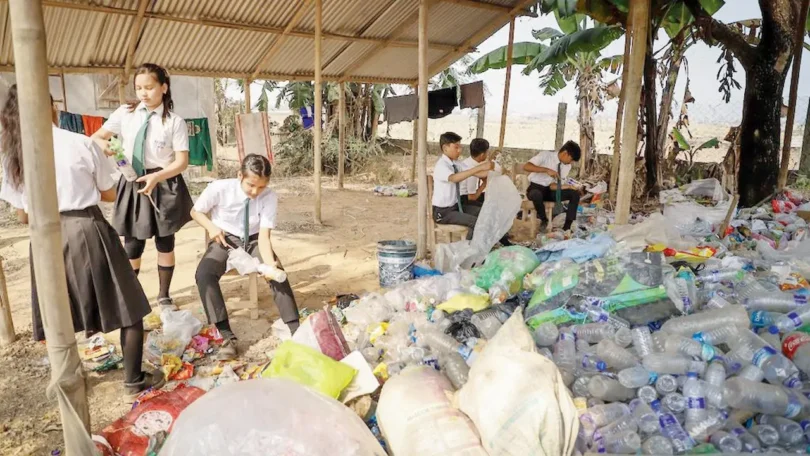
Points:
(364, 40)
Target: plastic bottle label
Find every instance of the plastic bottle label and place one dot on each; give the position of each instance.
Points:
(793, 342)
(800, 299)
(795, 318)
(794, 407)
(804, 424)
(738, 431)
(762, 354)
(695, 402)
(706, 352)
(761, 318)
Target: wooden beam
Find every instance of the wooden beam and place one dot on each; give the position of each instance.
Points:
(479, 5)
(509, 49)
(64, 91)
(480, 121)
(248, 107)
(67, 378)
(133, 36)
(422, 192)
(276, 44)
(7, 335)
(316, 129)
(341, 134)
(479, 36)
(798, 40)
(637, 32)
(559, 135)
(122, 89)
(234, 25)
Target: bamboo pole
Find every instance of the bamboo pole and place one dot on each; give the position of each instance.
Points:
(798, 40)
(804, 163)
(559, 135)
(617, 133)
(414, 148)
(507, 83)
(64, 91)
(638, 24)
(481, 121)
(7, 335)
(67, 378)
(421, 240)
(248, 82)
(316, 129)
(341, 134)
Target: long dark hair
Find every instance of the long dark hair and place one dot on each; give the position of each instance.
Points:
(11, 140)
(258, 165)
(162, 77)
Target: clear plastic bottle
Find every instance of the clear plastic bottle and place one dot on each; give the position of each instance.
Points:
(725, 442)
(642, 340)
(805, 424)
(715, 374)
(695, 400)
(546, 334)
(764, 398)
(615, 356)
(121, 161)
(601, 415)
(716, 336)
(487, 324)
(666, 384)
(455, 368)
(585, 347)
(590, 363)
(790, 432)
(707, 320)
(672, 429)
(796, 347)
(440, 342)
(717, 302)
(609, 390)
(657, 445)
(647, 394)
(565, 351)
(674, 402)
(717, 275)
(636, 377)
(623, 337)
(715, 395)
(658, 339)
(546, 352)
(714, 420)
(689, 347)
(750, 444)
(777, 368)
(668, 363)
(594, 332)
(621, 424)
(752, 373)
(626, 442)
(763, 318)
(766, 434)
(580, 387)
(597, 314)
(646, 418)
(792, 321)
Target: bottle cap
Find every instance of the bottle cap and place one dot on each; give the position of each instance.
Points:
(773, 329)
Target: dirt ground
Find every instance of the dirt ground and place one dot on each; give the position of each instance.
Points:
(322, 261)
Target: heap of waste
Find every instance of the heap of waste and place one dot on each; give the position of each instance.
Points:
(662, 337)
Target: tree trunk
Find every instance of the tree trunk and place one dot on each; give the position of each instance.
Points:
(617, 134)
(375, 116)
(651, 151)
(665, 110)
(586, 90)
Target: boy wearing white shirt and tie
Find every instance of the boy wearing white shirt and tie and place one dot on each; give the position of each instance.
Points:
(473, 189)
(546, 172)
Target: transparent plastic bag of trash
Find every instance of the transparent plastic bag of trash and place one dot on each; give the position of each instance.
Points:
(711, 188)
(494, 221)
(683, 216)
(656, 229)
(272, 417)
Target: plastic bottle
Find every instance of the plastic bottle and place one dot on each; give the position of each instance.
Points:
(672, 429)
(601, 415)
(716, 336)
(622, 424)
(626, 442)
(766, 434)
(121, 160)
(487, 324)
(707, 320)
(701, 430)
(636, 377)
(750, 443)
(609, 390)
(791, 321)
(594, 332)
(646, 418)
(716, 275)
(763, 318)
(666, 384)
(715, 396)
(440, 342)
(715, 374)
(657, 445)
(752, 373)
(272, 273)
(777, 368)
(591, 363)
(585, 347)
(764, 398)
(689, 347)
(597, 314)
(695, 400)
(565, 351)
(757, 298)
(796, 347)
(658, 339)
(717, 302)
(726, 442)
(667, 363)
(580, 387)
(647, 394)
(623, 337)
(546, 334)
(805, 424)
(790, 432)
(614, 355)
(674, 402)
(547, 353)
(455, 368)
(681, 290)
(642, 340)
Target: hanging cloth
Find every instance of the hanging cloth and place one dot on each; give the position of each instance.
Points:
(307, 116)
(472, 95)
(200, 152)
(442, 102)
(71, 122)
(92, 124)
(404, 108)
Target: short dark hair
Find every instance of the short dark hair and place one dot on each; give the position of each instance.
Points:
(258, 165)
(573, 150)
(478, 146)
(448, 138)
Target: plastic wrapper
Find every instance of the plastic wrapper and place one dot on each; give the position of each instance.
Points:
(159, 344)
(464, 301)
(418, 419)
(321, 331)
(509, 264)
(370, 309)
(180, 324)
(272, 418)
(654, 230)
(710, 188)
(310, 367)
(494, 221)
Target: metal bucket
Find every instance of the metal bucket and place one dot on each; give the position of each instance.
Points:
(395, 260)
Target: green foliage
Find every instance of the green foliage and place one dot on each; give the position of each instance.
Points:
(587, 41)
(522, 53)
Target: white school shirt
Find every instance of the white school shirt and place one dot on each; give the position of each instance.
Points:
(81, 170)
(445, 193)
(163, 139)
(550, 160)
(470, 185)
(224, 202)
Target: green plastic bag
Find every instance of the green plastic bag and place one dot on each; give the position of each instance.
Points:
(310, 367)
(506, 264)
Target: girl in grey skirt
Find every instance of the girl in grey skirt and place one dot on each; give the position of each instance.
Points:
(103, 290)
(158, 203)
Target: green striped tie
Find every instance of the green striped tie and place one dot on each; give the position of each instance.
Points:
(558, 193)
(140, 142)
(458, 190)
(246, 226)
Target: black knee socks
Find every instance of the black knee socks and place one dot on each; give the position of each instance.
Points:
(132, 348)
(165, 274)
(137, 271)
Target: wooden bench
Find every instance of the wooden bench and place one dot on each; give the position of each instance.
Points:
(438, 229)
(521, 179)
(252, 303)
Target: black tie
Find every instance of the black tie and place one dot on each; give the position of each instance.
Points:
(458, 190)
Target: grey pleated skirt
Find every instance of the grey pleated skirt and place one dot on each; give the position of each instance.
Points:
(103, 290)
(135, 217)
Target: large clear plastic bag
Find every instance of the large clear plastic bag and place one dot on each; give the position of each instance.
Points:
(504, 264)
(656, 229)
(711, 188)
(272, 418)
(683, 216)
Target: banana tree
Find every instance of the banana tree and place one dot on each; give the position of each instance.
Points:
(560, 57)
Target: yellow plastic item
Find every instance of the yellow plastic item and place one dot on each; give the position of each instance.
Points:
(375, 331)
(310, 367)
(465, 301)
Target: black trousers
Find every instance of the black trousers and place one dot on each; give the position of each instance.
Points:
(538, 194)
(212, 268)
(466, 201)
(452, 216)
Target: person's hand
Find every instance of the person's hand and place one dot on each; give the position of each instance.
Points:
(486, 165)
(107, 151)
(552, 173)
(218, 235)
(149, 181)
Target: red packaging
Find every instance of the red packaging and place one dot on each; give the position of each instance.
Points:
(321, 331)
(129, 435)
(793, 342)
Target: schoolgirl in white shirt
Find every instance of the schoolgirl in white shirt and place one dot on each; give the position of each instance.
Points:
(156, 142)
(103, 290)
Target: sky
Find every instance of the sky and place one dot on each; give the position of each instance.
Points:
(527, 99)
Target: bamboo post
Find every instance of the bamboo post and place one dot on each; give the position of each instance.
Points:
(316, 129)
(414, 148)
(64, 91)
(559, 135)
(798, 40)
(804, 163)
(67, 378)
(637, 32)
(7, 335)
(508, 82)
(341, 133)
(421, 240)
(721, 231)
(617, 133)
(247, 95)
(479, 126)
